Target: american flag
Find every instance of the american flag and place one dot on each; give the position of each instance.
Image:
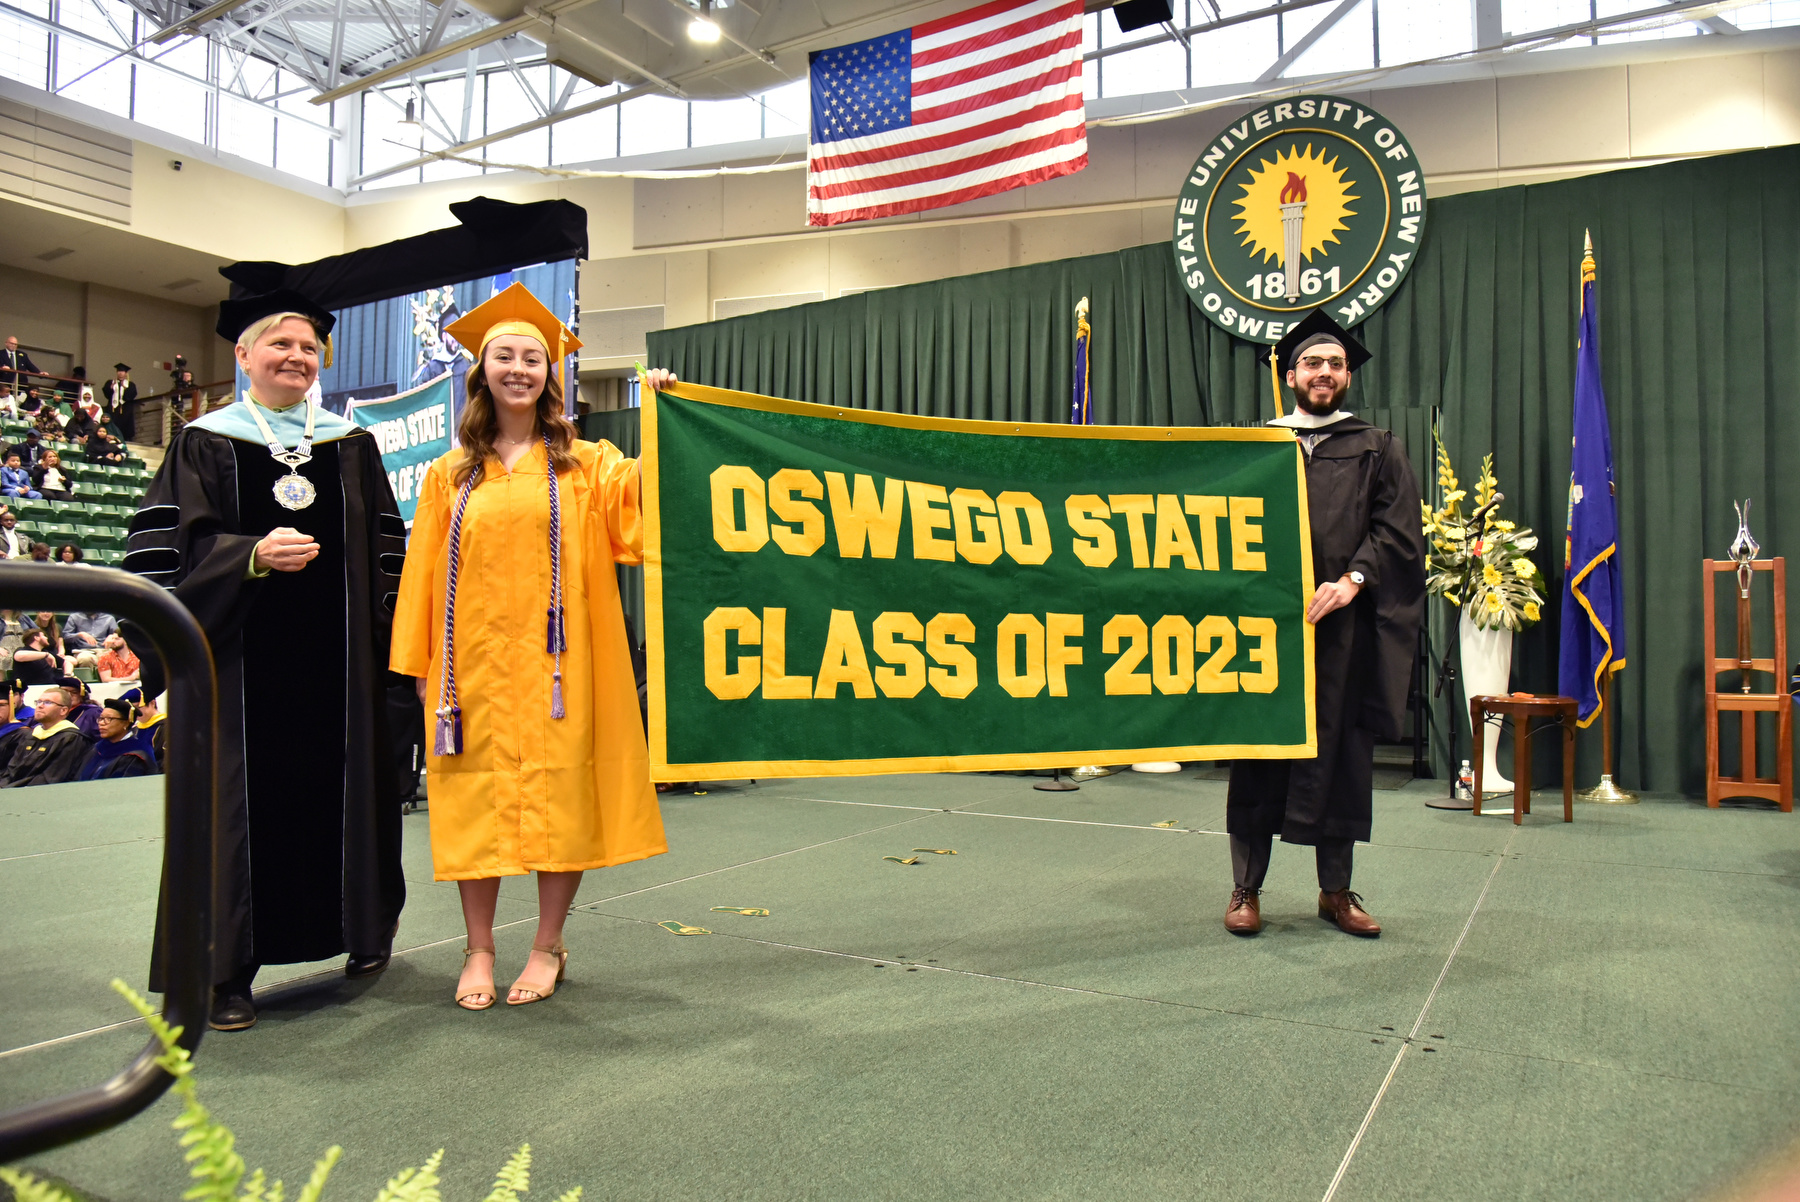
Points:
(948, 111)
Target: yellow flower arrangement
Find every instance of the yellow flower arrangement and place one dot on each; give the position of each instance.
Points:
(1484, 562)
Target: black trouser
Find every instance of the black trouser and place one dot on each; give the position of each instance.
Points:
(1250, 861)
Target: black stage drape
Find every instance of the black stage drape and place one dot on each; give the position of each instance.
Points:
(1699, 294)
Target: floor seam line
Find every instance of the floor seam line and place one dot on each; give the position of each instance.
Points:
(1613, 1068)
(260, 995)
(1418, 1024)
(988, 976)
(747, 863)
(63, 851)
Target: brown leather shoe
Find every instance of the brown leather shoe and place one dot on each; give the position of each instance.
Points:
(1346, 910)
(1244, 915)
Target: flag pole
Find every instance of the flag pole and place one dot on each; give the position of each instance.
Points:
(1081, 412)
(1606, 792)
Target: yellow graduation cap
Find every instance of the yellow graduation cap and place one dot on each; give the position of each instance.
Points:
(514, 311)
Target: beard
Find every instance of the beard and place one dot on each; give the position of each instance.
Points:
(1325, 409)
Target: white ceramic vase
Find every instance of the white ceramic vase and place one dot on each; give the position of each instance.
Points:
(1487, 672)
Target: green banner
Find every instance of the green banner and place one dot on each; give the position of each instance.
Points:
(412, 430)
(839, 591)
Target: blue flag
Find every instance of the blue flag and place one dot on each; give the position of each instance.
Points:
(1593, 610)
(1081, 411)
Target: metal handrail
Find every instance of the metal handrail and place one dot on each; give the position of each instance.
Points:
(190, 805)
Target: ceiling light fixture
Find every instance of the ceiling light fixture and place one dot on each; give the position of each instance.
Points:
(412, 112)
(703, 28)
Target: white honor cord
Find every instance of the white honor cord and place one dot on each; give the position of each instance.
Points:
(300, 454)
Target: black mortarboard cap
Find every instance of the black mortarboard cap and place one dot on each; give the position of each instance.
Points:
(121, 367)
(119, 706)
(1316, 326)
(236, 316)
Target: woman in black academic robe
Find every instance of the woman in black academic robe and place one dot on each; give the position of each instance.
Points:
(297, 604)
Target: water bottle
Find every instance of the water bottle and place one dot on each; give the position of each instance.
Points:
(1465, 783)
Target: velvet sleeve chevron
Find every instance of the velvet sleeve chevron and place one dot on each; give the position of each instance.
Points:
(388, 538)
(185, 534)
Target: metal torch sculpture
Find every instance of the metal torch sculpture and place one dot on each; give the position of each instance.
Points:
(1743, 551)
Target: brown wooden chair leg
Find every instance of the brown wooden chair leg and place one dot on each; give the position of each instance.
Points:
(1568, 727)
(1521, 768)
(1477, 723)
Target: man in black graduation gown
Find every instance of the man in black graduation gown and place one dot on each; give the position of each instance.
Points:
(53, 751)
(291, 567)
(1368, 554)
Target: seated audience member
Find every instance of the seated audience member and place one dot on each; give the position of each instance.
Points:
(13, 545)
(40, 552)
(35, 662)
(14, 626)
(119, 750)
(80, 425)
(149, 723)
(82, 710)
(27, 449)
(117, 662)
(49, 478)
(46, 621)
(102, 447)
(15, 480)
(53, 752)
(49, 420)
(9, 404)
(69, 553)
(30, 404)
(85, 634)
(19, 718)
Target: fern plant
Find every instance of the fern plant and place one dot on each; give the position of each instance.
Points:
(218, 1171)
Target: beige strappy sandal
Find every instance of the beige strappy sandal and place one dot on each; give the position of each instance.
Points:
(490, 993)
(562, 966)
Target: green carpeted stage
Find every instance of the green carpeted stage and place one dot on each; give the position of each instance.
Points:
(1603, 1010)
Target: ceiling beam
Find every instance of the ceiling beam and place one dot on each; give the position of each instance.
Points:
(192, 24)
(1307, 41)
(444, 50)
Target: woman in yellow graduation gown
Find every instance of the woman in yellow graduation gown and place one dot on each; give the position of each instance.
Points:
(539, 763)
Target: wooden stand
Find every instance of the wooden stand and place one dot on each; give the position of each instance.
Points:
(1747, 783)
(1560, 710)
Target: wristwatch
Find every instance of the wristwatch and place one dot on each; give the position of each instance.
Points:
(1357, 578)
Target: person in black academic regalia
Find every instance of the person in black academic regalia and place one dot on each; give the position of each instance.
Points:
(118, 751)
(53, 751)
(17, 719)
(1368, 551)
(272, 520)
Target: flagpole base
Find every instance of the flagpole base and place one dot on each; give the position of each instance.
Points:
(1056, 784)
(1157, 766)
(1465, 804)
(1607, 793)
(1091, 772)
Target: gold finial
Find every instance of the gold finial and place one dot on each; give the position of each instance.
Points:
(1081, 309)
(1588, 266)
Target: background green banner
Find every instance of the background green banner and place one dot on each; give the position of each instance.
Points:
(413, 430)
(838, 591)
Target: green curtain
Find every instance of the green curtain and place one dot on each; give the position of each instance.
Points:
(1700, 338)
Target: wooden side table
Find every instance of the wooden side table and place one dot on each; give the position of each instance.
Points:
(1560, 710)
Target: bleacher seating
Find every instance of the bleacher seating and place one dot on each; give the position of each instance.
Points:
(106, 497)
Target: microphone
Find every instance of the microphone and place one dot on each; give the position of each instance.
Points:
(1492, 504)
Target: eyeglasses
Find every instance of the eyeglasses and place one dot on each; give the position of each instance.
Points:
(1316, 363)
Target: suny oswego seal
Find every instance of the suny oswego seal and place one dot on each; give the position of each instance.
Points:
(1306, 202)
